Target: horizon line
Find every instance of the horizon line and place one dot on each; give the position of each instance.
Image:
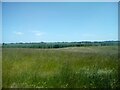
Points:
(63, 41)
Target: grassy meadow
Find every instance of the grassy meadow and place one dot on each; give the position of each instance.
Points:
(0, 67)
(71, 67)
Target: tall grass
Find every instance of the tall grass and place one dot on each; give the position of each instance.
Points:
(0, 67)
(84, 67)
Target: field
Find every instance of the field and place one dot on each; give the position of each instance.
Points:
(0, 67)
(72, 67)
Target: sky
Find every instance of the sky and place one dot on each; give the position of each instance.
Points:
(59, 21)
(60, 0)
(0, 22)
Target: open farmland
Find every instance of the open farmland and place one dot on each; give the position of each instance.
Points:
(71, 67)
(0, 67)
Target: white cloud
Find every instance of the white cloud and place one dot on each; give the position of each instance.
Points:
(37, 33)
(88, 35)
(18, 33)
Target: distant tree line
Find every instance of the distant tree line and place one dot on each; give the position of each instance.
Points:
(58, 44)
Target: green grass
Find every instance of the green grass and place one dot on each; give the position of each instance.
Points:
(73, 67)
(0, 67)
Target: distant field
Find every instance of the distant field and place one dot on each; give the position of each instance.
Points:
(0, 67)
(72, 67)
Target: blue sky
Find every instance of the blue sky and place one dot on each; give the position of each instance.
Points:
(56, 22)
(0, 22)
